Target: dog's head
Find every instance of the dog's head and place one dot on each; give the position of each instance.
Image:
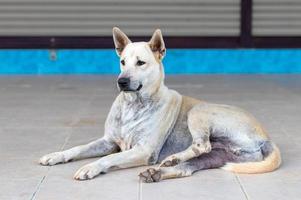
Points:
(140, 62)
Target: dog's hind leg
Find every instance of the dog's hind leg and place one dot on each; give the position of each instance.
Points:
(215, 159)
(100, 147)
(198, 125)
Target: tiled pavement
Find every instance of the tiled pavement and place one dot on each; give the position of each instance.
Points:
(42, 114)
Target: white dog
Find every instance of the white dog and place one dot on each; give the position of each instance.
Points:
(149, 123)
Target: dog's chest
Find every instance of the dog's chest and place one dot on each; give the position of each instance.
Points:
(137, 120)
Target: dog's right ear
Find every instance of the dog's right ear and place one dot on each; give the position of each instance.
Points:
(120, 40)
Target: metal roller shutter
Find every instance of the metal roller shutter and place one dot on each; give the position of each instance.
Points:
(276, 17)
(136, 17)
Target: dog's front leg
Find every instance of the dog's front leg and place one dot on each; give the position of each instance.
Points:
(131, 158)
(100, 147)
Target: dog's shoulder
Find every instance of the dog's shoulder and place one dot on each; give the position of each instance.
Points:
(189, 102)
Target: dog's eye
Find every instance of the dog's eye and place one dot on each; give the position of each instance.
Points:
(122, 62)
(140, 62)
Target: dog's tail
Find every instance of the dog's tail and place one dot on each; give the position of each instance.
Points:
(271, 162)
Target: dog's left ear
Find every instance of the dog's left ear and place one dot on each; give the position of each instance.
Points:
(157, 44)
(120, 40)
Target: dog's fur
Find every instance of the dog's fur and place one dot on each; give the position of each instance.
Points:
(149, 123)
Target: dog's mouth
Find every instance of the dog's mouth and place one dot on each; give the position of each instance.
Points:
(139, 87)
(132, 90)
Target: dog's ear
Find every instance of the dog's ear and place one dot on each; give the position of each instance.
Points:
(120, 40)
(157, 44)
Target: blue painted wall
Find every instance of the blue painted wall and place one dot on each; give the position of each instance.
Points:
(177, 61)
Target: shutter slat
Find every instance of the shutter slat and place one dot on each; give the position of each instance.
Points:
(276, 17)
(136, 17)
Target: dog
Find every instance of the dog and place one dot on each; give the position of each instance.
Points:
(149, 124)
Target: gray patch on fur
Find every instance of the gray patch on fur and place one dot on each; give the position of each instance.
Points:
(214, 159)
(179, 139)
(221, 154)
(153, 158)
(266, 148)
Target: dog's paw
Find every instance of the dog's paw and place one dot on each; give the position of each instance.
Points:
(87, 172)
(150, 175)
(52, 158)
(170, 161)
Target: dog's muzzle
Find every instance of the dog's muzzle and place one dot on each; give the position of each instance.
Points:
(125, 85)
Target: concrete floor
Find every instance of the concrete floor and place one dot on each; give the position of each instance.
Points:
(39, 115)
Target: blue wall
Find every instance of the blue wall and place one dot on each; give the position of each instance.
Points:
(177, 61)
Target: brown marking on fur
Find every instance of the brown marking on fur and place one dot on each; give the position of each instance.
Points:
(188, 103)
(260, 130)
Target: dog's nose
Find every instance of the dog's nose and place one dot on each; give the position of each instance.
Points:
(124, 83)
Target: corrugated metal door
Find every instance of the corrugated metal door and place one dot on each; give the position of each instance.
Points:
(276, 17)
(136, 17)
